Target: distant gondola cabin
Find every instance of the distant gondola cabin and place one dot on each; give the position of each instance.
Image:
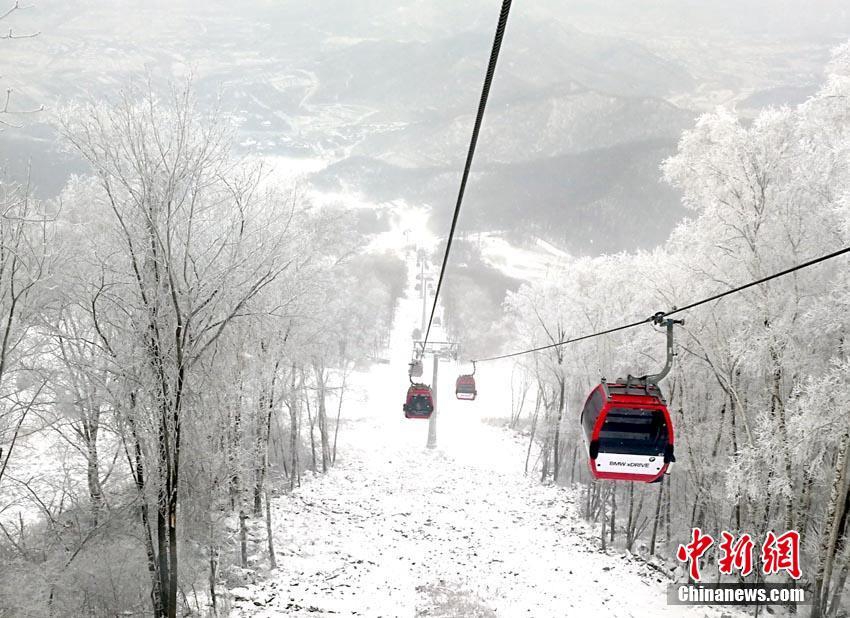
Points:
(465, 387)
(419, 402)
(627, 431)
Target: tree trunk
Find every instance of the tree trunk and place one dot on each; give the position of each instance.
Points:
(269, 535)
(265, 410)
(293, 432)
(235, 448)
(213, 554)
(657, 517)
(630, 523)
(322, 417)
(557, 445)
(604, 521)
(517, 406)
(838, 589)
(339, 411)
(778, 403)
(829, 537)
(733, 432)
(841, 549)
(174, 484)
(546, 449)
(805, 504)
(93, 468)
(162, 513)
(668, 506)
(261, 453)
(243, 540)
(532, 431)
(312, 424)
(137, 470)
(613, 512)
(573, 465)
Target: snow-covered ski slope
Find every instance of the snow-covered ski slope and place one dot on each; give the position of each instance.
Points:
(398, 530)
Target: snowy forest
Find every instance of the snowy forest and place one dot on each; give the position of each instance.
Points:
(761, 380)
(211, 301)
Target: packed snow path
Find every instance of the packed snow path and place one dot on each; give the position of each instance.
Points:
(397, 529)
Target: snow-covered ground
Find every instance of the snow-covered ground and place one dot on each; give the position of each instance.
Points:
(398, 530)
(537, 262)
(408, 227)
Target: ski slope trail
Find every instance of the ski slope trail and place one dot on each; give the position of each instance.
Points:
(399, 530)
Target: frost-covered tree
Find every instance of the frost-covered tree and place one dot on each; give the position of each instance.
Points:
(756, 392)
(191, 239)
(27, 255)
(8, 111)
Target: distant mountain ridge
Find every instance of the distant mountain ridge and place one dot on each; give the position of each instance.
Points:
(579, 120)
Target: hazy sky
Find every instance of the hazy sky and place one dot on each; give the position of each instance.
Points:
(115, 36)
(590, 96)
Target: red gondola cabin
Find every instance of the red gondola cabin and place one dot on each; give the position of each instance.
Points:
(419, 403)
(628, 432)
(465, 388)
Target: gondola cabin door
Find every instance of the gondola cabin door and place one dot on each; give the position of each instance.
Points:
(628, 432)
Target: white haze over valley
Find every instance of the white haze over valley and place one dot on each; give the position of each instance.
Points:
(222, 227)
(374, 100)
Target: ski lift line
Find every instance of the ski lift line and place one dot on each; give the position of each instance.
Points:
(782, 273)
(560, 343)
(482, 104)
(655, 319)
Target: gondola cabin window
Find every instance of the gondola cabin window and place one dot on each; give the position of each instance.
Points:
(634, 432)
(419, 402)
(591, 411)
